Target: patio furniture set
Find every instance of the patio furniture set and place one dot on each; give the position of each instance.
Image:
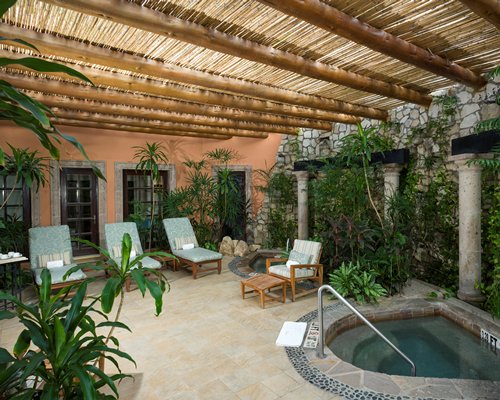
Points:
(50, 247)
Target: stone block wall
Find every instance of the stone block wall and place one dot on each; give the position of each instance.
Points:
(471, 107)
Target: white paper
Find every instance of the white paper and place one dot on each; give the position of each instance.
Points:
(188, 246)
(291, 334)
(55, 264)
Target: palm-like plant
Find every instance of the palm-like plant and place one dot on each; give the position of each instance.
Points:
(29, 113)
(26, 166)
(68, 344)
(149, 157)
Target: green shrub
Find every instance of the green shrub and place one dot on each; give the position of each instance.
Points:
(350, 280)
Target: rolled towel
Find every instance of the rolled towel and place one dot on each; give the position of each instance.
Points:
(188, 246)
(289, 263)
(55, 264)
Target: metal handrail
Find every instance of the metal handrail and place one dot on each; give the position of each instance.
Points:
(321, 345)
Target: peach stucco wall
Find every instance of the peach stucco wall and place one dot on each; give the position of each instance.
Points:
(111, 146)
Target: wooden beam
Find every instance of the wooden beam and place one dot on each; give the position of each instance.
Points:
(487, 9)
(165, 126)
(127, 128)
(49, 44)
(149, 114)
(147, 86)
(329, 18)
(119, 98)
(144, 18)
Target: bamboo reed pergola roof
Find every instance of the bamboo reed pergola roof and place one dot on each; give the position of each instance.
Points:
(222, 68)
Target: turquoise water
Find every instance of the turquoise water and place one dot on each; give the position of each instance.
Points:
(437, 346)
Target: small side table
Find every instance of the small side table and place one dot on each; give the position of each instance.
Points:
(11, 267)
(260, 284)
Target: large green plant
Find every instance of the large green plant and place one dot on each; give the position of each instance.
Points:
(149, 157)
(29, 113)
(59, 347)
(278, 187)
(352, 280)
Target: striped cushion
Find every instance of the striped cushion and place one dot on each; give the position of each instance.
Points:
(181, 241)
(283, 270)
(65, 256)
(308, 247)
(116, 251)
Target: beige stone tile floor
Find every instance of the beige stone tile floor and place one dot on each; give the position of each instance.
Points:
(207, 344)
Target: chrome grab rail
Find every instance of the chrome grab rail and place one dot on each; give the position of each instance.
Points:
(321, 344)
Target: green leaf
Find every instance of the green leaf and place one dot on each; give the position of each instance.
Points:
(5, 5)
(76, 306)
(44, 66)
(105, 378)
(6, 315)
(59, 335)
(138, 276)
(109, 292)
(157, 294)
(22, 344)
(5, 356)
(86, 384)
(20, 41)
(45, 287)
(116, 324)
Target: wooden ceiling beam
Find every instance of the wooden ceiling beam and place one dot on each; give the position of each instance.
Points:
(128, 128)
(119, 98)
(149, 114)
(140, 17)
(330, 19)
(147, 86)
(154, 124)
(486, 9)
(50, 44)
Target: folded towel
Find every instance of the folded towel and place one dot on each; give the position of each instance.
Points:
(291, 334)
(289, 263)
(188, 246)
(55, 264)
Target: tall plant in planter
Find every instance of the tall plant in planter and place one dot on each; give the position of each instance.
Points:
(149, 157)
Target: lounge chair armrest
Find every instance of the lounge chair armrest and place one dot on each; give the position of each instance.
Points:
(273, 259)
(306, 266)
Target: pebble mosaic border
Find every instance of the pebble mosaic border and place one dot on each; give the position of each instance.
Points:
(298, 357)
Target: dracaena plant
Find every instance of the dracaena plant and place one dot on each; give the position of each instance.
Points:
(58, 348)
(123, 271)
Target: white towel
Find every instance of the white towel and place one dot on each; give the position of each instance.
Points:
(188, 246)
(55, 264)
(291, 334)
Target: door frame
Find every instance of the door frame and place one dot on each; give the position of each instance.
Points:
(64, 172)
(55, 192)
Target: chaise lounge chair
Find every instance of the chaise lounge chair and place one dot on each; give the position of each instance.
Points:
(113, 234)
(50, 247)
(302, 264)
(184, 246)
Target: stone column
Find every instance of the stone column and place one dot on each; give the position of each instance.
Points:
(469, 231)
(391, 183)
(302, 206)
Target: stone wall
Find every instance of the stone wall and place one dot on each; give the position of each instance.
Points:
(471, 107)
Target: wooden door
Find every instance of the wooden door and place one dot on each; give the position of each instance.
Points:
(79, 207)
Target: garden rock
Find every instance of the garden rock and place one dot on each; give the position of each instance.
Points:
(241, 249)
(254, 247)
(226, 246)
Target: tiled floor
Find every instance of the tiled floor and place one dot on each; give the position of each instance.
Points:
(207, 344)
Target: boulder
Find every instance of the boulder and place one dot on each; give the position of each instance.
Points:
(241, 249)
(226, 247)
(254, 247)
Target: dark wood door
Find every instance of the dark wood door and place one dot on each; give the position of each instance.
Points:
(79, 207)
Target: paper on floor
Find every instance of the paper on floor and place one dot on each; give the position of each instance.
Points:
(291, 334)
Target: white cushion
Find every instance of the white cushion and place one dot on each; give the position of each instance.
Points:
(291, 262)
(283, 270)
(55, 264)
(188, 246)
(301, 258)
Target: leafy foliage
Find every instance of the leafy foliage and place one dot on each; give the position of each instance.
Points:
(351, 280)
(68, 344)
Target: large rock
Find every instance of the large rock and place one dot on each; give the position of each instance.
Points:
(254, 247)
(226, 246)
(241, 249)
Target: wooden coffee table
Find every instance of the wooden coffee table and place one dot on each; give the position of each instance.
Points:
(260, 284)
